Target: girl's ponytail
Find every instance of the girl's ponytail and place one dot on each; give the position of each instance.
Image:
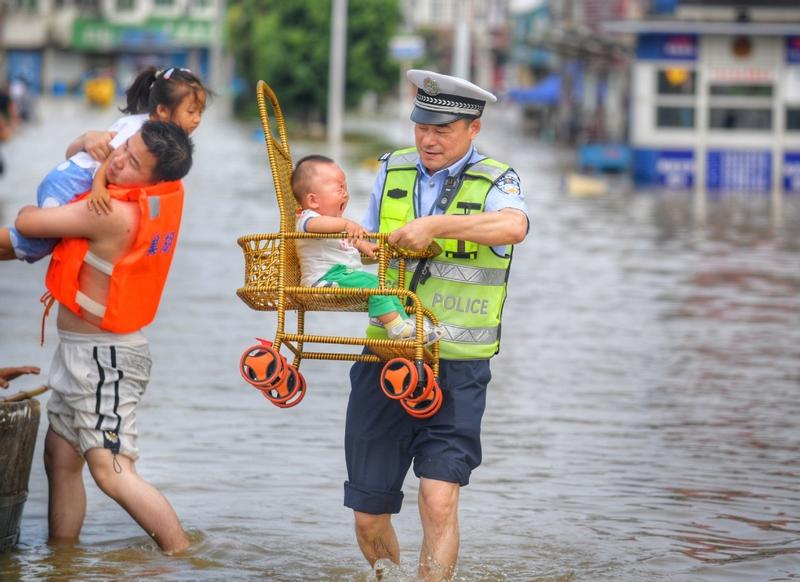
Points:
(138, 94)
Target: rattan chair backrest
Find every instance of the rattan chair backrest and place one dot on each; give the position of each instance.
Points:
(280, 160)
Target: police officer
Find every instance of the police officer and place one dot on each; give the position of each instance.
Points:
(472, 205)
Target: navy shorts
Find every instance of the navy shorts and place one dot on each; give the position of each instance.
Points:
(381, 439)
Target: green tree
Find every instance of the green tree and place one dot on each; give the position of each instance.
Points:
(287, 42)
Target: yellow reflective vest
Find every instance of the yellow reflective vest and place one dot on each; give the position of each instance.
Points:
(465, 286)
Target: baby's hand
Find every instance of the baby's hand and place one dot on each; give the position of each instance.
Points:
(354, 230)
(99, 199)
(366, 247)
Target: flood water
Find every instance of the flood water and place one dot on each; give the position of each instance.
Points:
(643, 422)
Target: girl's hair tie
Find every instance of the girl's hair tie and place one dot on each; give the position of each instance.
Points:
(171, 70)
(155, 77)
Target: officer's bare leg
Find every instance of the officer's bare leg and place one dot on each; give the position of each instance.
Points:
(66, 506)
(376, 537)
(142, 501)
(438, 511)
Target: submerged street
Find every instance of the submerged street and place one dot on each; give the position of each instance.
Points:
(643, 420)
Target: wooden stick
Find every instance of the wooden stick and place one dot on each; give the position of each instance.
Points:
(24, 395)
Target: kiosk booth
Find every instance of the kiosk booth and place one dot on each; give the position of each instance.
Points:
(716, 105)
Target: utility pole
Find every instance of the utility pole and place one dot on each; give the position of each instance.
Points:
(336, 76)
(219, 78)
(462, 40)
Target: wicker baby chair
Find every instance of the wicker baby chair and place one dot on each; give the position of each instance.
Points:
(272, 283)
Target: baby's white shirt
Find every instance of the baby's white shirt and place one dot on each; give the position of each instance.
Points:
(317, 256)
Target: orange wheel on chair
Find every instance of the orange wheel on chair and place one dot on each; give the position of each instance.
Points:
(297, 393)
(398, 378)
(284, 391)
(261, 365)
(423, 392)
(425, 408)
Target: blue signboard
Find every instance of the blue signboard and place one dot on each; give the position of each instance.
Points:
(407, 47)
(671, 47)
(791, 172)
(27, 66)
(793, 49)
(739, 171)
(673, 169)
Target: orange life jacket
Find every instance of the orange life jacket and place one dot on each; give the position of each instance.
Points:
(138, 278)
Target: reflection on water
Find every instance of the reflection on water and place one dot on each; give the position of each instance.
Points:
(643, 420)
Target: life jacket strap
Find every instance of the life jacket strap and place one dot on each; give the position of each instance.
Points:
(100, 264)
(89, 304)
(47, 300)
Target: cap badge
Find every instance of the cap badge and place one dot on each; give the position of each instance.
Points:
(430, 86)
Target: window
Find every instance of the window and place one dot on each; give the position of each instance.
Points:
(740, 90)
(165, 3)
(733, 118)
(126, 5)
(88, 5)
(793, 119)
(676, 81)
(676, 88)
(675, 117)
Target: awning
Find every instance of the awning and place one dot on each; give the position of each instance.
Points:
(700, 27)
(546, 93)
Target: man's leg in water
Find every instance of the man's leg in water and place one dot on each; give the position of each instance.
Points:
(142, 501)
(438, 512)
(376, 537)
(66, 506)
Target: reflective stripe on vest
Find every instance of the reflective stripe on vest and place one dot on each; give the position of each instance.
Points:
(465, 286)
(459, 273)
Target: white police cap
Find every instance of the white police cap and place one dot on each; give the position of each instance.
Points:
(442, 99)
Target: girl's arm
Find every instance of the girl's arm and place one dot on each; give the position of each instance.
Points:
(94, 143)
(99, 199)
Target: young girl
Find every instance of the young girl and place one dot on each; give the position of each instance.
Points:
(175, 95)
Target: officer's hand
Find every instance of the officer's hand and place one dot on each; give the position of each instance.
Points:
(416, 235)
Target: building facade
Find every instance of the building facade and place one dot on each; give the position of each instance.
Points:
(716, 97)
(571, 77)
(463, 37)
(53, 45)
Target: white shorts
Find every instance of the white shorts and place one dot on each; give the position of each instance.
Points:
(97, 380)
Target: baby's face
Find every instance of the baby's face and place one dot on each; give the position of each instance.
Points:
(330, 187)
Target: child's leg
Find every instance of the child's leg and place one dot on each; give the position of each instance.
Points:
(66, 495)
(6, 250)
(385, 308)
(24, 248)
(59, 187)
(142, 501)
